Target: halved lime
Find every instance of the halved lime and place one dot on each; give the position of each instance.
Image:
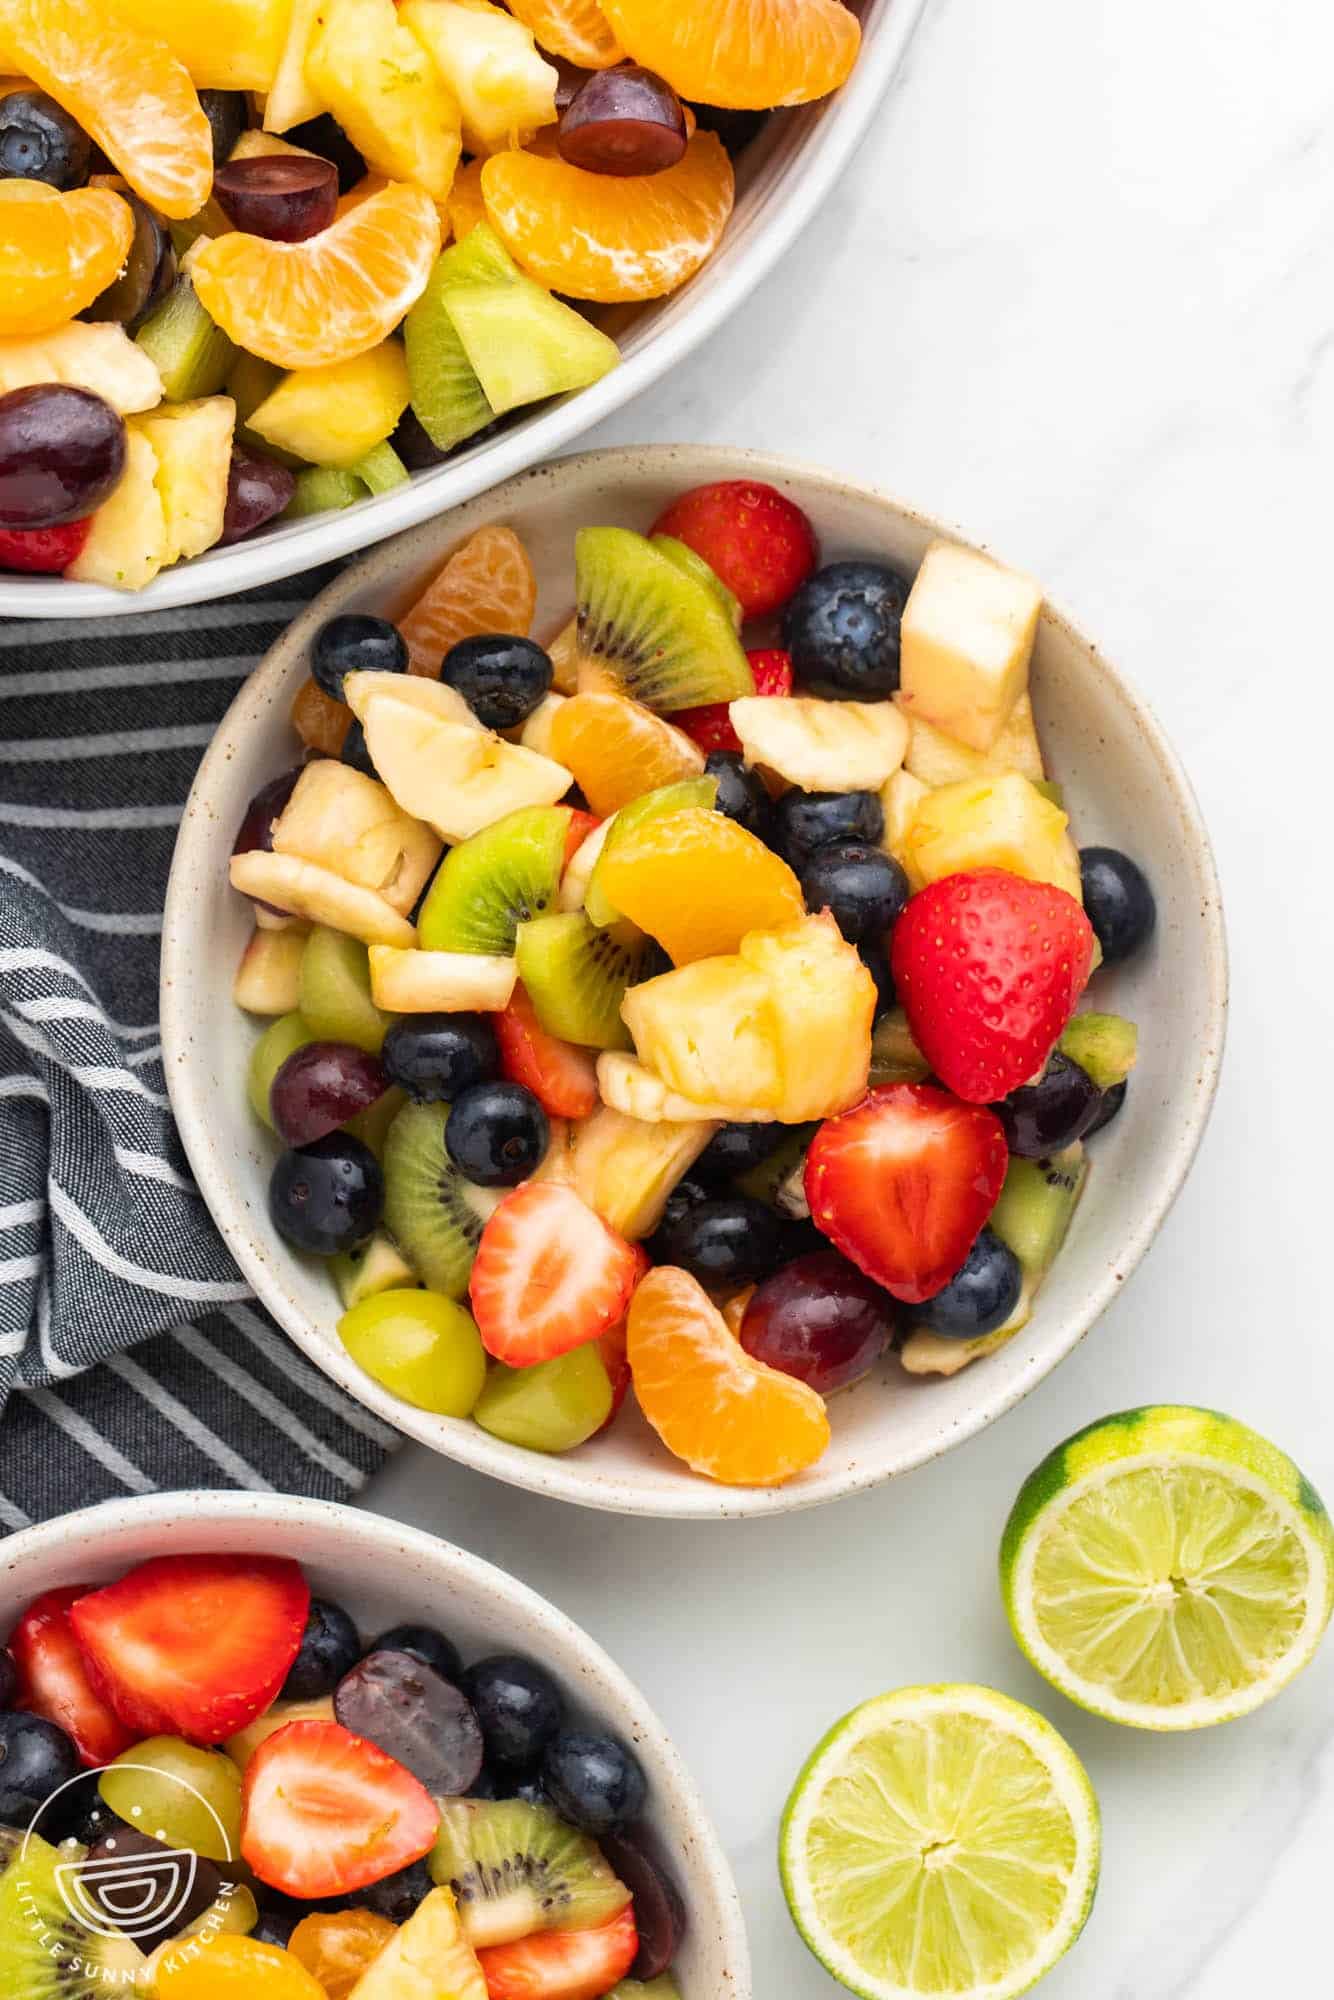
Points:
(1168, 1568)
(941, 1844)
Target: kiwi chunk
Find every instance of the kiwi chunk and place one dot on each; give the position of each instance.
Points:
(45, 1953)
(335, 987)
(192, 353)
(515, 1869)
(429, 1208)
(379, 1266)
(576, 976)
(651, 630)
(650, 805)
(381, 469)
(664, 1987)
(1105, 1045)
(371, 1126)
(447, 398)
(692, 564)
(322, 489)
(502, 877)
(895, 1056)
(524, 346)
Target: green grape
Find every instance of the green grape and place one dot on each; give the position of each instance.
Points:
(552, 1406)
(279, 1040)
(160, 1788)
(336, 992)
(423, 1347)
(371, 1126)
(662, 1988)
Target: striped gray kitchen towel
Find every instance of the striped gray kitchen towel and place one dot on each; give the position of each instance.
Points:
(131, 1355)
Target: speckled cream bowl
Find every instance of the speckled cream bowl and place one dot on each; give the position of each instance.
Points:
(383, 1573)
(1124, 786)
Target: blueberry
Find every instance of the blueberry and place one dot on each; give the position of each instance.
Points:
(593, 1781)
(979, 1297)
(424, 1643)
(488, 1784)
(725, 1240)
(1046, 1116)
(1112, 1100)
(228, 115)
(328, 1196)
(278, 1919)
(804, 822)
(653, 962)
(687, 1194)
(1118, 901)
(330, 1647)
(356, 643)
(36, 1759)
(501, 678)
(742, 794)
(735, 1149)
(842, 630)
(413, 445)
(397, 1896)
(497, 1134)
(325, 136)
(9, 1679)
(436, 1057)
(354, 751)
(519, 1707)
(876, 960)
(736, 129)
(863, 888)
(41, 142)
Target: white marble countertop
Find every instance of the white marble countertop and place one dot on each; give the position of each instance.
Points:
(1077, 295)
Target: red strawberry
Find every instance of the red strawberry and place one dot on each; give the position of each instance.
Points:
(43, 550)
(549, 1275)
(614, 1348)
(989, 968)
(752, 536)
(53, 1680)
(194, 1646)
(903, 1182)
(562, 1965)
(711, 726)
(324, 1812)
(562, 1078)
(581, 825)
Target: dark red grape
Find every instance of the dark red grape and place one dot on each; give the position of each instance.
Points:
(325, 136)
(623, 121)
(257, 492)
(413, 446)
(256, 829)
(321, 1086)
(660, 1913)
(284, 196)
(736, 129)
(62, 453)
(819, 1319)
(570, 80)
(415, 1715)
(150, 270)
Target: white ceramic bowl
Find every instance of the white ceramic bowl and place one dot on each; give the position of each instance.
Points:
(384, 1573)
(781, 180)
(1124, 786)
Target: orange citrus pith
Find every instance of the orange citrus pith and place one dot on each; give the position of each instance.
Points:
(618, 750)
(303, 305)
(578, 30)
(698, 882)
(605, 237)
(486, 586)
(745, 55)
(126, 89)
(227, 1967)
(57, 252)
(336, 1946)
(726, 1415)
(321, 722)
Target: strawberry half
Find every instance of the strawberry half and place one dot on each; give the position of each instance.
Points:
(562, 1965)
(751, 535)
(549, 1275)
(53, 1680)
(43, 551)
(581, 825)
(324, 1812)
(711, 725)
(562, 1078)
(614, 1347)
(989, 968)
(903, 1182)
(194, 1646)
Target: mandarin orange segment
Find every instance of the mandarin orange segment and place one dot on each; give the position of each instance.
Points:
(725, 1415)
(745, 55)
(128, 91)
(304, 305)
(228, 1967)
(618, 750)
(487, 586)
(697, 882)
(336, 1946)
(578, 30)
(321, 722)
(465, 207)
(606, 237)
(57, 252)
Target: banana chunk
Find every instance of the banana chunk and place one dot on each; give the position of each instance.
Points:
(822, 746)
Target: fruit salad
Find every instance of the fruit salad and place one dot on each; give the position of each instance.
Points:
(213, 1788)
(694, 1003)
(265, 258)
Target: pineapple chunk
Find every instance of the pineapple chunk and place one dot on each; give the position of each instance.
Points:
(438, 698)
(268, 979)
(966, 643)
(226, 45)
(98, 356)
(193, 446)
(334, 415)
(306, 890)
(938, 760)
(254, 145)
(899, 800)
(242, 1747)
(457, 778)
(127, 543)
(823, 746)
(349, 824)
(291, 100)
(710, 1031)
(824, 1002)
(627, 1086)
(491, 64)
(994, 823)
(625, 1168)
(385, 92)
(429, 1958)
(536, 732)
(440, 982)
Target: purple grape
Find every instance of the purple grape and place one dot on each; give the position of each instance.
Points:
(660, 1913)
(283, 196)
(62, 453)
(416, 1716)
(820, 1320)
(261, 815)
(228, 114)
(623, 121)
(150, 270)
(321, 1086)
(258, 490)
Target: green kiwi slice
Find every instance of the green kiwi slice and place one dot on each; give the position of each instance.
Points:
(503, 877)
(45, 1953)
(381, 470)
(447, 398)
(650, 805)
(323, 489)
(652, 628)
(335, 988)
(895, 1056)
(192, 353)
(1033, 1214)
(691, 564)
(1103, 1044)
(515, 1869)
(772, 1175)
(434, 1215)
(525, 345)
(576, 976)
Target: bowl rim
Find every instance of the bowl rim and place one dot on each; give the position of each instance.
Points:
(141, 1514)
(326, 537)
(554, 1476)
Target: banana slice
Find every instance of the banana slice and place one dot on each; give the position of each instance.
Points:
(823, 746)
(456, 778)
(440, 982)
(435, 697)
(627, 1086)
(307, 890)
(346, 822)
(536, 732)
